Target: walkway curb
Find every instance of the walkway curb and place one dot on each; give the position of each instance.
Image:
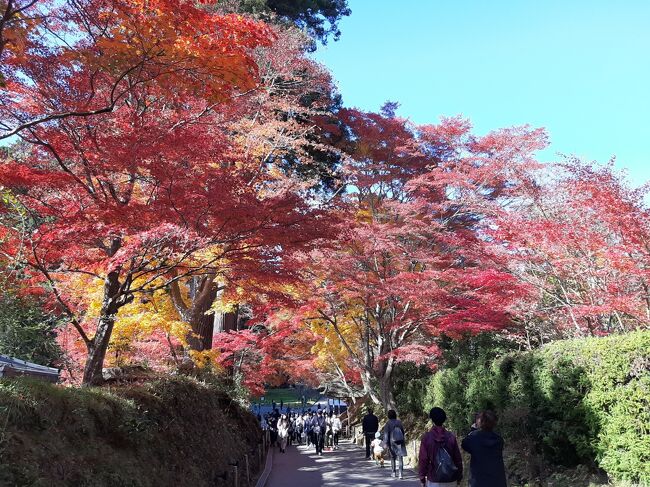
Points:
(261, 482)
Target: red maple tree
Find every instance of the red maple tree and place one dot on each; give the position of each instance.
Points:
(579, 240)
(412, 261)
(130, 175)
(62, 59)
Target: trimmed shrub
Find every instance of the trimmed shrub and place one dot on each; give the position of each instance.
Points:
(583, 401)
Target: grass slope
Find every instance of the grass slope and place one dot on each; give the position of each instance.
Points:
(167, 433)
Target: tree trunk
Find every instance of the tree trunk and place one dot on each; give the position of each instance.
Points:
(99, 344)
(386, 391)
(386, 384)
(97, 352)
(368, 386)
(202, 324)
(203, 292)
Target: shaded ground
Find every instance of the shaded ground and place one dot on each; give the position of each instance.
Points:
(302, 467)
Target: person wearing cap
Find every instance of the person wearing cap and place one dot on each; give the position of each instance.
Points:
(439, 438)
(378, 449)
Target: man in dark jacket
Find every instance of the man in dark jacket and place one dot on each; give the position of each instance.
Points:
(486, 447)
(369, 425)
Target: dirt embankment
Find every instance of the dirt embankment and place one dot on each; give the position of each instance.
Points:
(169, 432)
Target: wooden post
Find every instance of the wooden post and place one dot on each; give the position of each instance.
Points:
(236, 476)
(414, 455)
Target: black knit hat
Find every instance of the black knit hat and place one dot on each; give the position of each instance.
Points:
(438, 416)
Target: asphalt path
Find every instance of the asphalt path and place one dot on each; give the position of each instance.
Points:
(301, 467)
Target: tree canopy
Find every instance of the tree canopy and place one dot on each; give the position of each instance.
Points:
(184, 185)
(319, 18)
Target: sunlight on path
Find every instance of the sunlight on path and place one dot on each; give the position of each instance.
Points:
(301, 467)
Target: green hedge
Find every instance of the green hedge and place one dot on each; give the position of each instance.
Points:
(583, 401)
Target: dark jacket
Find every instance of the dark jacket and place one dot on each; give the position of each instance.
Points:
(486, 467)
(438, 436)
(370, 424)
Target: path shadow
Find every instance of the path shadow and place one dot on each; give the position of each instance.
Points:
(344, 467)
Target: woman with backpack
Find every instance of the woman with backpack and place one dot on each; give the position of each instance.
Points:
(440, 462)
(486, 447)
(396, 442)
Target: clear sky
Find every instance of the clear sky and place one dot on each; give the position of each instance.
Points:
(579, 68)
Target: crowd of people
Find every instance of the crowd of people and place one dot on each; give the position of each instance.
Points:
(320, 429)
(440, 463)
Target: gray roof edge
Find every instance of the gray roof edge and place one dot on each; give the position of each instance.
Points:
(24, 365)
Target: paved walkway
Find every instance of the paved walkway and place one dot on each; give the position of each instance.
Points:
(301, 467)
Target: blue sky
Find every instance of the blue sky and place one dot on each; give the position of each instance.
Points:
(579, 68)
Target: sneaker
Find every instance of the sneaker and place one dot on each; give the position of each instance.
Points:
(400, 476)
(394, 475)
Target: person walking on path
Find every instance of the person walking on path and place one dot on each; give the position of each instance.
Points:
(273, 429)
(378, 450)
(283, 433)
(318, 431)
(308, 431)
(369, 425)
(486, 448)
(297, 429)
(329, 435)
(440, 463)
(395, 439)
(336, 430)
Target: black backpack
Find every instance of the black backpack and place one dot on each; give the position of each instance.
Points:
(397, 435)
(445, 470)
